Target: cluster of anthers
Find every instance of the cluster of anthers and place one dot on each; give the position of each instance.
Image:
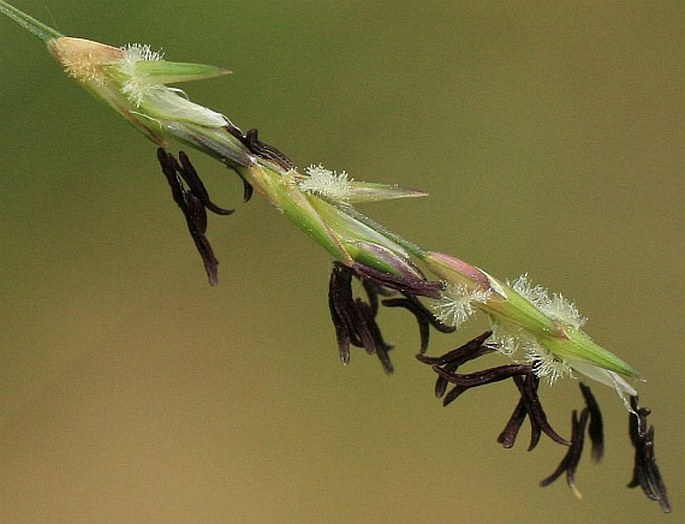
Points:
(355, 323)
(444, 308)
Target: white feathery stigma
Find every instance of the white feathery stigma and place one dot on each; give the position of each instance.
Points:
(136, 88)
(456, 304)
(545, 364)
(503, 340)
(326, 183)
(136, 52)
(557, 307)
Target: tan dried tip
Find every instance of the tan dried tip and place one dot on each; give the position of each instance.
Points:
(83, 59)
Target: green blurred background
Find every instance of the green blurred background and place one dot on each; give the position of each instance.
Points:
(550, 136)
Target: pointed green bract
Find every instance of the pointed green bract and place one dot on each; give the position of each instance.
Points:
(576, 345)
(361, 192)
(163, 72)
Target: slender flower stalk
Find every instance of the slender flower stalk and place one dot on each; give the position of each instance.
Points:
(539, 335)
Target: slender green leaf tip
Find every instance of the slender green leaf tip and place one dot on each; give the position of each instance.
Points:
(42, 31)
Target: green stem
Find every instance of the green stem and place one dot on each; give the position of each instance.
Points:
(42, 31)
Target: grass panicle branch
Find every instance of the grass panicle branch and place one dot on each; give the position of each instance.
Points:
(539, 334)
